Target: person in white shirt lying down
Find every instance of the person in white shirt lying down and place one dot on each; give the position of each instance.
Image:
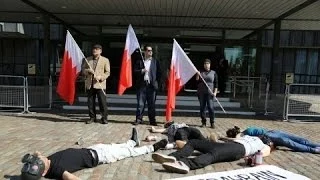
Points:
(62, 164)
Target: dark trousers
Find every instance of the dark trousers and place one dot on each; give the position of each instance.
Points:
(102, 100)
(146, 94)
(188, 133)
(206, 100)
(211, 153)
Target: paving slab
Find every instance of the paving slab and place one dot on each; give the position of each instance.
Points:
(49, 132)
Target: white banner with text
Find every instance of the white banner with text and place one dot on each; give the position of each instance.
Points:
(262, 172)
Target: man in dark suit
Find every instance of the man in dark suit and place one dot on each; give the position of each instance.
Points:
(148, 74)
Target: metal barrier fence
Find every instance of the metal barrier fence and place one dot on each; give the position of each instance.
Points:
(302, 100)
(13, 92)
(18, 92)
(39, 92)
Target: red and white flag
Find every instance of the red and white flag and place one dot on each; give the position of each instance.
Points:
(181, 71)
(125, 80)
(71, 66)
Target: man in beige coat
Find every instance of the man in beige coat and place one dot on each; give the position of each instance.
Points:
(96, 74)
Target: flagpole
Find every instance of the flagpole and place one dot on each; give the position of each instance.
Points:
(212, 93)
(141, 54)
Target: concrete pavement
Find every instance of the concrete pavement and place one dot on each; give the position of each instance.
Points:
(48, 133)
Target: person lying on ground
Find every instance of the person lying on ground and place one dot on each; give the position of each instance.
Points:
(279, 138)
(62, 164)
(212, 152)
(178, 134)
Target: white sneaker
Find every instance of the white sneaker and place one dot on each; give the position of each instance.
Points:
(151, 138)
(161, 158)
(170, 146)
(176, 167)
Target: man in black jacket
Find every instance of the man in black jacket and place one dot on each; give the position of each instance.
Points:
(148, 74)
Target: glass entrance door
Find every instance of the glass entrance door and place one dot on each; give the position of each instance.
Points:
(241, 61)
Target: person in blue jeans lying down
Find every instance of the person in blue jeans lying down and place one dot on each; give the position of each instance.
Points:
(279, 138)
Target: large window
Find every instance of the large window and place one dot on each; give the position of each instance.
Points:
(312, 67)
(234, 55)
(301, 61)
(299, 54)
(241, 62)
(304, 63)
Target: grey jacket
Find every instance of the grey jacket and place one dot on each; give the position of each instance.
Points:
(211, 78)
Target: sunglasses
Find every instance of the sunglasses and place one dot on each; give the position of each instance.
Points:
(31, 164)
(30, 168)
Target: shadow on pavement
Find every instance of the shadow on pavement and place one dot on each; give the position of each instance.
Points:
(46, 118)
(163, 170)
(12, 177)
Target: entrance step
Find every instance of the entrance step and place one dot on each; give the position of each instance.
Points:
(159, 97)
(184, 105)
(161, 100)
(133, 110)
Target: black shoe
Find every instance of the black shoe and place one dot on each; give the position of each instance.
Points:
(91, 120)
(138, 121)
(153, 124)
(104, 120)
(203, 122)
(134, 136)
(212, 126)
(161, 144)
(203, 125)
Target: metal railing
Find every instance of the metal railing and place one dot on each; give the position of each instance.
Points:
(19, 92)
(247, 86)
(266, 100)
(13, 92)
(302, 100)
(245, 80)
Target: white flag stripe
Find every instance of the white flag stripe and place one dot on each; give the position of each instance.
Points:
(184, 68)
(131, 41)
(74, 51)
(185, 55)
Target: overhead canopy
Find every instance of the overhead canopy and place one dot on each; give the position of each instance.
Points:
(167, 17)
